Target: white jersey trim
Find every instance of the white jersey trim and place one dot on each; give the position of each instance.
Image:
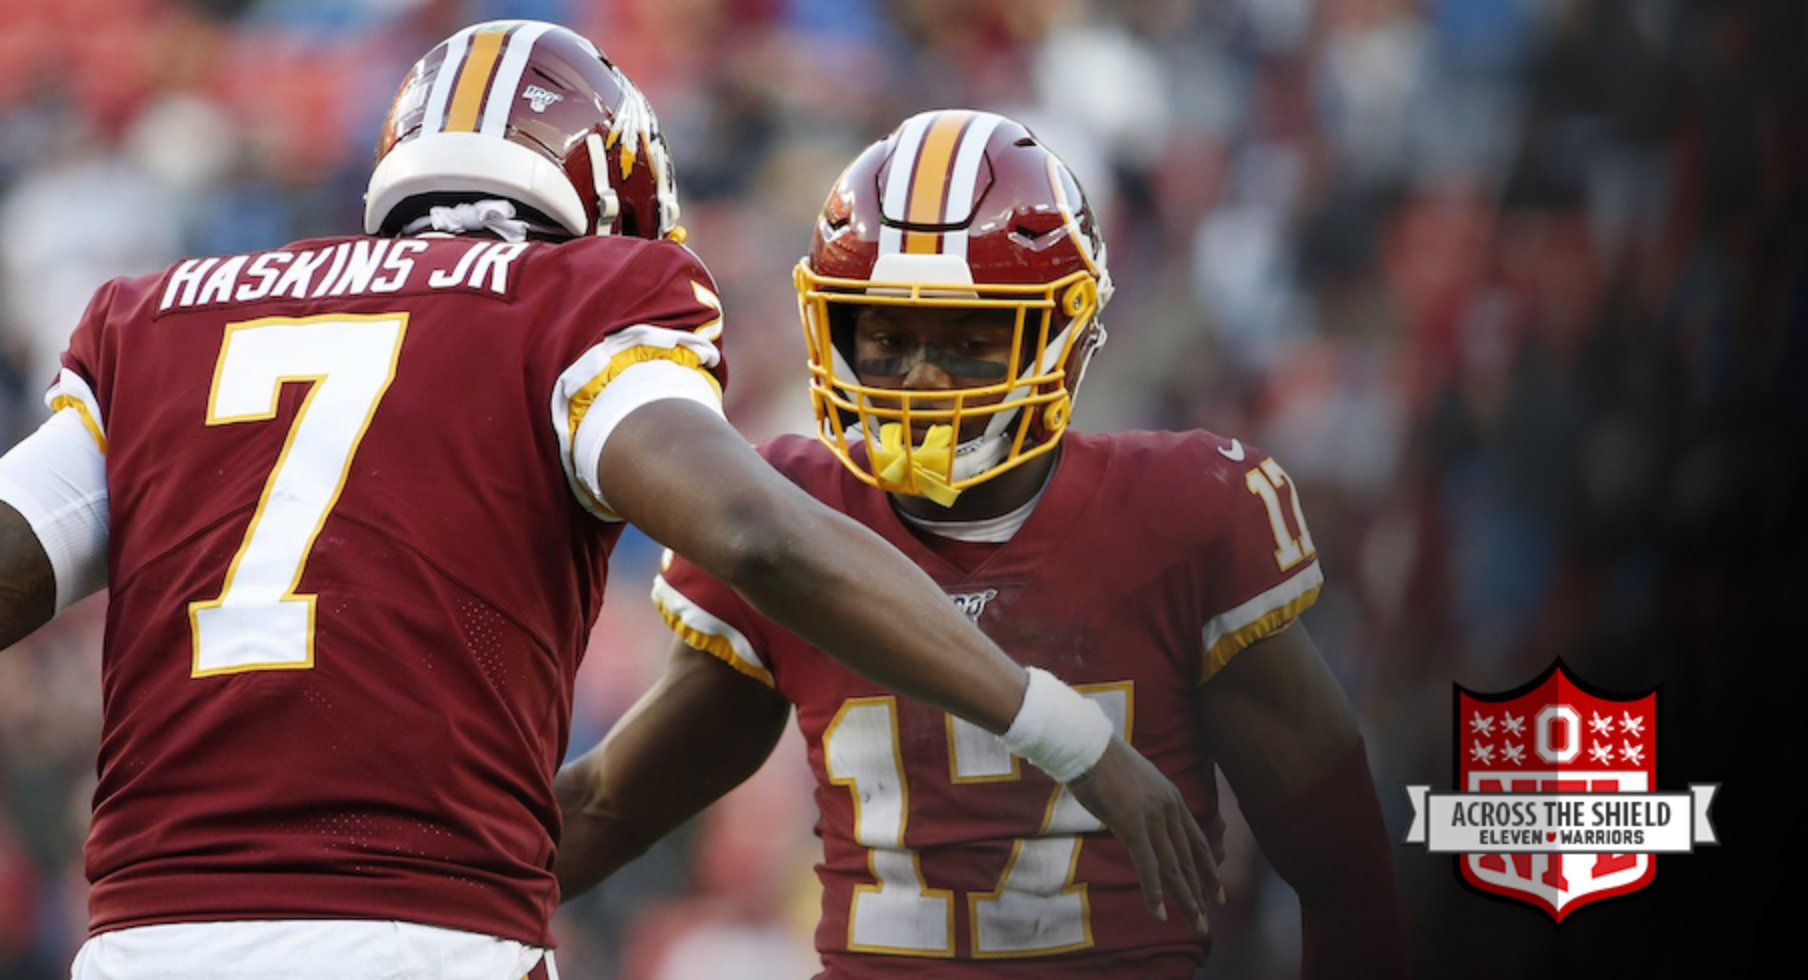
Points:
(1223, 632)
(72, 392)
(703, 630)
(581, 444)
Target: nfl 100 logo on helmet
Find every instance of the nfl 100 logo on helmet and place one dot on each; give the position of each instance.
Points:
(1557, 803)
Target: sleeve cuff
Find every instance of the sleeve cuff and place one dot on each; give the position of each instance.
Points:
(637, 385)
(697, 627)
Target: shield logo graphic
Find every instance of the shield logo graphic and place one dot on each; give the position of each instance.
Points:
(1556, 735)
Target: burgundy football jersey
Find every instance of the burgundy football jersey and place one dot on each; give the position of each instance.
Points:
(350, 581)
(1151, 560)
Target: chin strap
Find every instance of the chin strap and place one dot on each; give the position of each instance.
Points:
(918, 470)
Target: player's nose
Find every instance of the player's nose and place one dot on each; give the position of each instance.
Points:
(926, 375)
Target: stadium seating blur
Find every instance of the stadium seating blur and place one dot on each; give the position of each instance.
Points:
(1517, 290)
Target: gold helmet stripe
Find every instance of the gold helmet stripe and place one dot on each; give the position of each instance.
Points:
(480, 77)
(474, 80)
(932, 178)
(929, 185)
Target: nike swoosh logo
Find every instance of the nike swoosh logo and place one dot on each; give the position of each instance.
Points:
(1234, 453)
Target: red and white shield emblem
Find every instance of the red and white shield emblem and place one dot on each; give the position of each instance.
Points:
(1556, 735)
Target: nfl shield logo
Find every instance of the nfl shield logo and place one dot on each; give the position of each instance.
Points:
(1556, 735)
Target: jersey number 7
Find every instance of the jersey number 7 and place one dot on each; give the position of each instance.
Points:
(258, 621)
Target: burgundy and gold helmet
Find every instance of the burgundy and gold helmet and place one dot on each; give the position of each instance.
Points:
(530, 112)
(955, 209)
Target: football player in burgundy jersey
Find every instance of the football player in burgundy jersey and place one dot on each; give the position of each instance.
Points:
(950, 303)
(353, 500)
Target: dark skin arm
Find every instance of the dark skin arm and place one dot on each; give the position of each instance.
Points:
(27, 582)
(683, 476)
(659, 766)
(1278, 723)
(687, 479)
(1276, 719)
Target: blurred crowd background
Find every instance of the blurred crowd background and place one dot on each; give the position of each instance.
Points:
(1516, 289)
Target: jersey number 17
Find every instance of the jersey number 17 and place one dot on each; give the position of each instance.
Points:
(1037, 907)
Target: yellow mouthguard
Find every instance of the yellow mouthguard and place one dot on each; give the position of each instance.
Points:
(926, 463)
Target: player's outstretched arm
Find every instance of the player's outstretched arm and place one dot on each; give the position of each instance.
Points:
(698, 733)
(1278, 723)
(27, 581)
(687, 479)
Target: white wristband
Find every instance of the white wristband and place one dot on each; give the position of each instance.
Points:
(1058, 729)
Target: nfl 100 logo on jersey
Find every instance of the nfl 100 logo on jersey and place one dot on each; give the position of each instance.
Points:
(1557, 803)
(973, 604)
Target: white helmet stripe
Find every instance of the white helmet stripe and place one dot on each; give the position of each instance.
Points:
(965, 174)
(456, 46)
(507, 81)
(950, 192)
(898, 180)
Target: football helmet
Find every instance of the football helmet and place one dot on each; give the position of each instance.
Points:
(533, 113)
(956, 209)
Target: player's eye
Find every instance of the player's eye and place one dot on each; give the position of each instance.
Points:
(985, 342)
